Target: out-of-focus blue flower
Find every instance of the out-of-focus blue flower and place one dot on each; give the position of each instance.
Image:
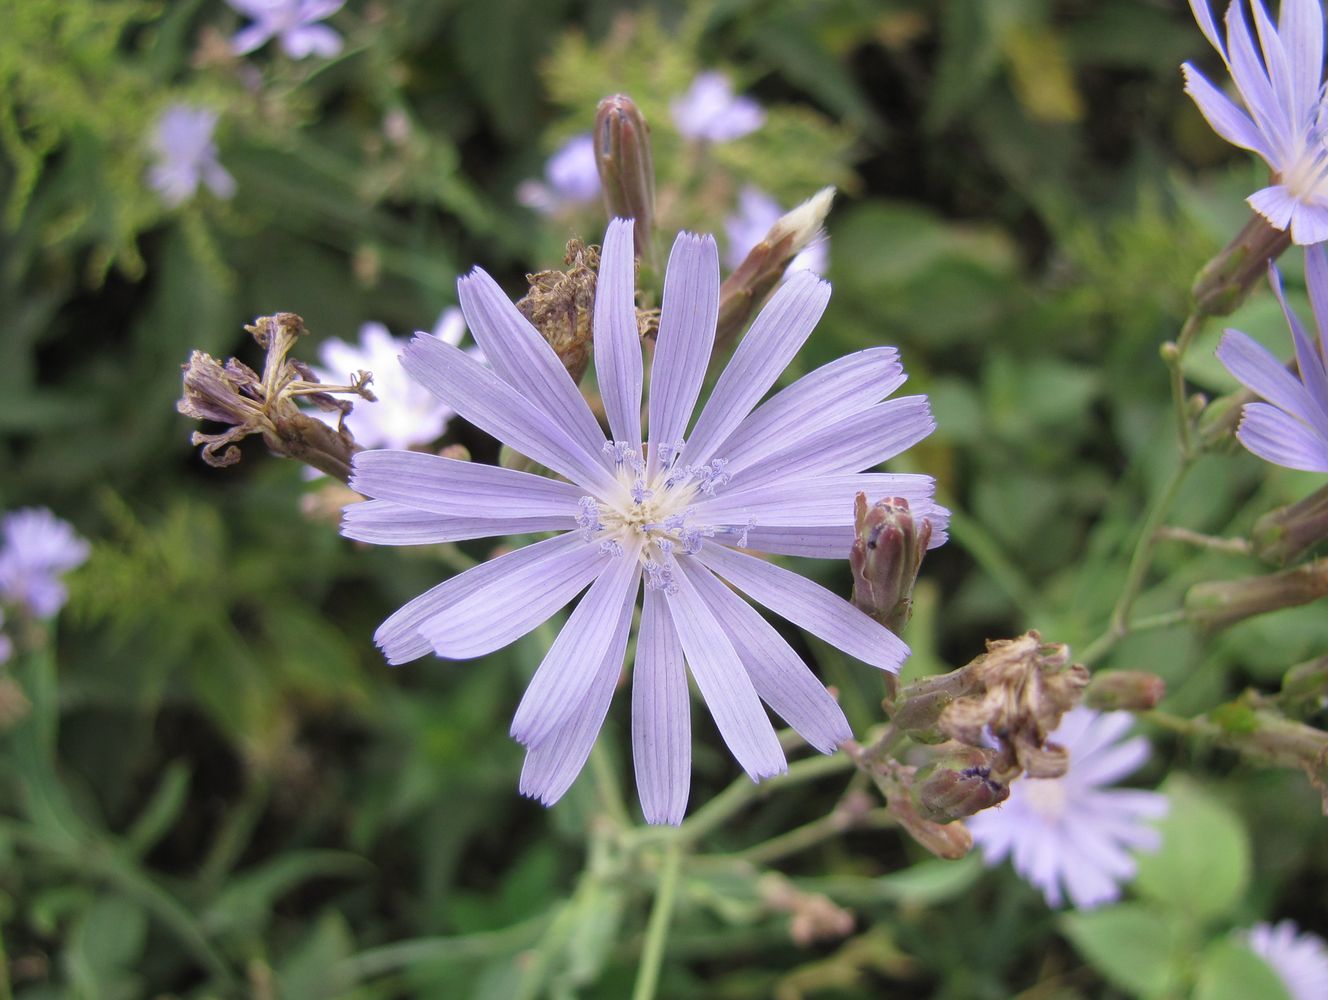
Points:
(757, 213)
(710, 112)
(187, 155)
(1291, 429)
(1069, 835)
(671, 513)
(1299, 959)
(1280, 81)
(571, 177)
(37, 549)
(294, 23)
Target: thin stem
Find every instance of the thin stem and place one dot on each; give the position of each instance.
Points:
(1163, 619)
(1175, 356)
(403, 954)
(606, 785)
(1234, 546)
(657, 931)
(811, 834)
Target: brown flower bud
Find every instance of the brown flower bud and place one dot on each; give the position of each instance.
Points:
(1218, 604)
(885, 558)
(1131, 690)
(957, 785)
(1225, 280)
(1283, 535)
(627, 169)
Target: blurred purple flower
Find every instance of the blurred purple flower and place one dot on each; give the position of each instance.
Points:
(757, 212)
(1280, 82)
(776, 477)
(37, 548)
(406, 414)
(1068, 835)
(1291, 429)
(293, 22)
(571, 177)
(1300, 960)
(711, 112)
(187, 155)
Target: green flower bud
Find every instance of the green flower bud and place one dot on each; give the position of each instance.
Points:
(1283, 535)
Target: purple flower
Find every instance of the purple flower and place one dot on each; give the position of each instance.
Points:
(1300, 960)
(571, 177)
(37, 548)
(711, 112)
(1280, 82)
(757, 212)
(406, 414)
(293, 22)
(1068, 835)
(187, 155)
(1291, 429)
(777, 477)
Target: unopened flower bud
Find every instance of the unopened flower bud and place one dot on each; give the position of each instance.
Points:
(1305, 687)
(1283, 535)
(746, 288)
(885, 558)
(1219, 604)
(560, 305)
(1131, 690)
(627, 169)
(957, 785)
(1224, 281)
(1216, 429)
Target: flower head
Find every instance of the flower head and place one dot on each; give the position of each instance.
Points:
(187, 155)
(1280, 81)
(756, 216)
(711, 112)
(1291, 428)
(668, 513)
(38, 548)
(1068, 835)
(571, 177)
(292, 22)
(405, 414)
(1299, 959)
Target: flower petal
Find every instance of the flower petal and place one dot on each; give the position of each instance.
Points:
(661, 716)
(780, 677)
(1279, 438)
(809, 606)
(447, 486)
(820, 500)
(1316, 280)
(1227, 120)
(1300, 24)
(1260, 372)
(1312, 375)
(383, 522)
(617, 340)
(688, 316)
(1251, 79)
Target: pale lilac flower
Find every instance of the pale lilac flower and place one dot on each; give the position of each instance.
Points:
(1291, 429)
(1280, 81)
(1300, 960)
(187, 155)
(757, 212)
(1069, 836)
(405, 414)
(776, 476)
(37, 549)
(571, 177)
(294, 23)
(711, 112)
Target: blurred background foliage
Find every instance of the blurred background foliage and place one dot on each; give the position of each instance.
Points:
(242, 799)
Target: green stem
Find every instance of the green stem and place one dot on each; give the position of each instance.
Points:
(606, 784)
(811, 834)
(1163, 619)
(657, 931)
(403, 954)
(987, 553)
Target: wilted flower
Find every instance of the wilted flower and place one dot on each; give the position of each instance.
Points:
(1280, 82)
(571, 177)
(1291, 429)
(1299, 959)
(777, 477)
(294, 23)
(404, 414)
(757, 214)
(711, 112)
(187, 155)
(1069, 836)
(38, 548)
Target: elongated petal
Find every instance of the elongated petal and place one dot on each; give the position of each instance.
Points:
(617, 341)
(553, 764)
(251, 39)
(447, 486)
(383, 522)
(568, 669)
(1248, 72)
(1279, 438)
(780, 677)
(834, 541)
(1316, 280)
(820, 500)
(1204, 15)
(776, 335)
(1227, 120)
(1255, 368)
(492, 405)
(808, 605)
(1309, 223)
(1300, 23)
(525, 361)
(507, 605)
(1275, 62)
(724, 684)
(1312, 375)
(661, 716)
(687, 320)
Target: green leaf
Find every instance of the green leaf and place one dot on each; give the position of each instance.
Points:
(1230, 971)
(1131, 945)
(1204, 863)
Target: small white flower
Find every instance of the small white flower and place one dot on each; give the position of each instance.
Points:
(711, 112)
(186, 155)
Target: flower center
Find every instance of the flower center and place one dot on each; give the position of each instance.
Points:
(1045, 796)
